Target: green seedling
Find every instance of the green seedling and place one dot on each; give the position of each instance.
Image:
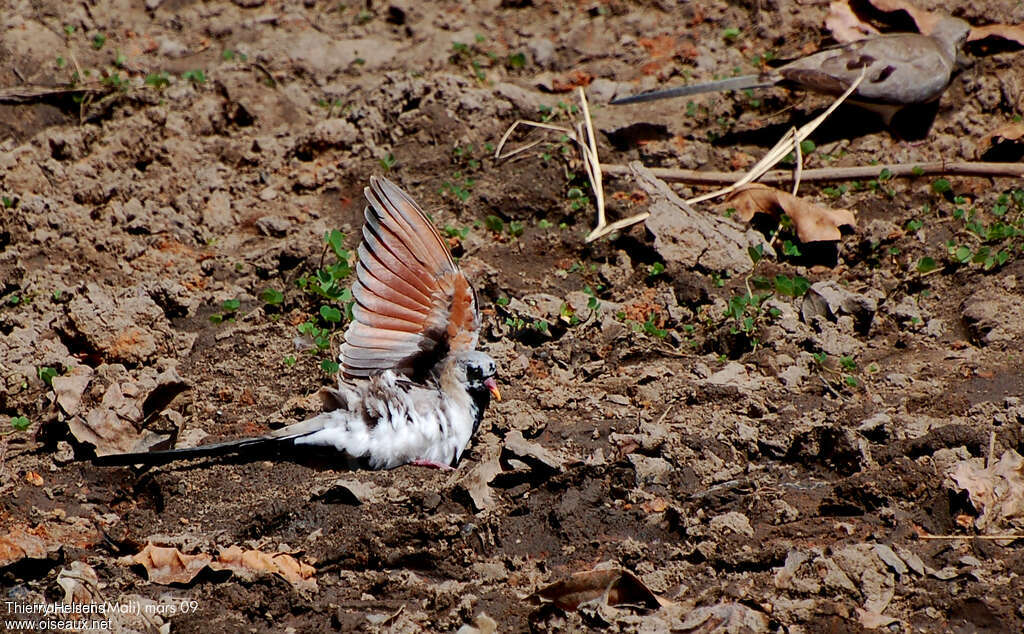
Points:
(20, 423)
(229, 308)
(272, 296)
(194, 76)
(455, 232)
(460, 187)
(158, 80)
(494, 223)
(47, 374)
(650, 327)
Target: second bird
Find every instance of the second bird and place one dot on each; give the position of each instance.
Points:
(900, 70)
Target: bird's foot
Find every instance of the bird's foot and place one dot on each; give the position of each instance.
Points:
(433, 465)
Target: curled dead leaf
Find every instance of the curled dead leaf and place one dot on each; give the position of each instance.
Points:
(997, 491)
(614, 585)
(924, 19)
(813, 222)
(249, 563)
(80, 583)
(70, 388)
(1009, 32)
(167, 565)
(845, 25)
(477, 481)
(36, 542)
(1004, 144)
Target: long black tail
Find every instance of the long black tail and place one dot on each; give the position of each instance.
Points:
(732, 83)
(255, 447)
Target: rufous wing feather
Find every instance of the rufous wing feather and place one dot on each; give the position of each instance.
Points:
(412, 303)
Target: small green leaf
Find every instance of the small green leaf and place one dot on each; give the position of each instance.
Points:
(329, 366)
(336, 240)
(926, 264)
(98, 41)
(230, 305)
(195, 76)
(21, 423)
(941, 186)
(272, 296)
(289, 361)
(494, 223)
(330, 314)
(47, 374)
(158, 80)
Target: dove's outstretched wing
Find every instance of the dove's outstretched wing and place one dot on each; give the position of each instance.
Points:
(412, 304)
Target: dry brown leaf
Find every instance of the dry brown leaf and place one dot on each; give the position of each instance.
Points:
(813, 222)
(250, 563)
(874, 620)
(109, 427)
(70, 387)
(1005, 143)
(1010, 32)
(36, 542)
(845, 25)
(997, 491)
(165, 565)
(477, 481)
(80, 583)
(727, 616)
(615, 585)
(925, 20)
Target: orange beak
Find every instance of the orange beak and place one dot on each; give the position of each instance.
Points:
(493, 387)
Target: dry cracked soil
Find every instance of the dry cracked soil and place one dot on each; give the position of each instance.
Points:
(710, 459)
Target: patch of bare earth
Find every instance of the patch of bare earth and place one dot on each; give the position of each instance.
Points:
(782, 474)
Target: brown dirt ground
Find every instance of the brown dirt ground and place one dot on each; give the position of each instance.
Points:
(725, 472)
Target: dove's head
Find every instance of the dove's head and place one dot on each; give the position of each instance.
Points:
(952, 32)
(479, 370)
(474, 371)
